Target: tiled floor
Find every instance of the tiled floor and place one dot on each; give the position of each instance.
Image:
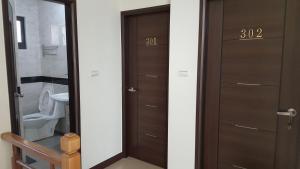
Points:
(131, 163)
(52, 143)
(41, 165)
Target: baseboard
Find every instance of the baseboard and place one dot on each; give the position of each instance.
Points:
(109, 162)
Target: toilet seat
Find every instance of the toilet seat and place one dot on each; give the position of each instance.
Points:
(36, 116)
(46, 103)
(41, 124)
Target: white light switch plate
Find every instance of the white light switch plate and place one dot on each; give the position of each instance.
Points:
(183, 73)
(94, 73)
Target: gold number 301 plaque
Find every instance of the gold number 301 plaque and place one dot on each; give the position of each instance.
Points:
(252, 34)
(151, 41)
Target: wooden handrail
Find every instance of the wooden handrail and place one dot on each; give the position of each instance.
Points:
(69, 159)
(33, 148)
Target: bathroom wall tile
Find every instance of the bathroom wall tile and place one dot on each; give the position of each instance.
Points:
(56, 66)
(30, 102)
(29, 60)
(52, 32)
(58, 88)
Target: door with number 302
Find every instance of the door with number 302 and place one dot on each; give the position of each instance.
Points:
(252, 84)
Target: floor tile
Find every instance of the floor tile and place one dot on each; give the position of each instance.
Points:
(132, 163)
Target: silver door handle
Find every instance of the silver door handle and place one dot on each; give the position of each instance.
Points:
(151, 106)
(132, 90)
(238, 167)
(151, 135)
(290, 113)
(248, 84)
(245, 127)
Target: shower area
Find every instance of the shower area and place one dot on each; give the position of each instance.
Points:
(42, 73)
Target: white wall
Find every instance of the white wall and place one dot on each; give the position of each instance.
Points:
(52, 28)
(101, 111)
(5, 149)
(100, 50)
(99, 32)
(184, 35)
(136, 4)
(101, 96)
(32, 55)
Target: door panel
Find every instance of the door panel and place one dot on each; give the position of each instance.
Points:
(254, 14)
(212, 86)
(252, 80)
(147, 64)
(288, 148)
(251, 106)
(257, 62)
(287, 156)
(131, 99)
(152, 150)
(9, 18)
(153, 61)
(246, 148)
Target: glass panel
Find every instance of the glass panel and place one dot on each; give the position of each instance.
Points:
(19, 32)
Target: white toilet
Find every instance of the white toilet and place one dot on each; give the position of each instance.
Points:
(42, 124)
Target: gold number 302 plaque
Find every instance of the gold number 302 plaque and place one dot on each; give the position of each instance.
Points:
(151, 41)
(252, 34)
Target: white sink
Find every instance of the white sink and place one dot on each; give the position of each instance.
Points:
(62, 97)
(61, 100)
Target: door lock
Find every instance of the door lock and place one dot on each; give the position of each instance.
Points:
(132, 90)
(291, 113)
(19, 95)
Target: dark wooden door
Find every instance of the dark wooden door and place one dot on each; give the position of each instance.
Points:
(13, 86)
(146, 67)
(252, 74)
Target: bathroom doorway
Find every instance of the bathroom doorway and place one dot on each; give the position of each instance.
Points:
(42, 66)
